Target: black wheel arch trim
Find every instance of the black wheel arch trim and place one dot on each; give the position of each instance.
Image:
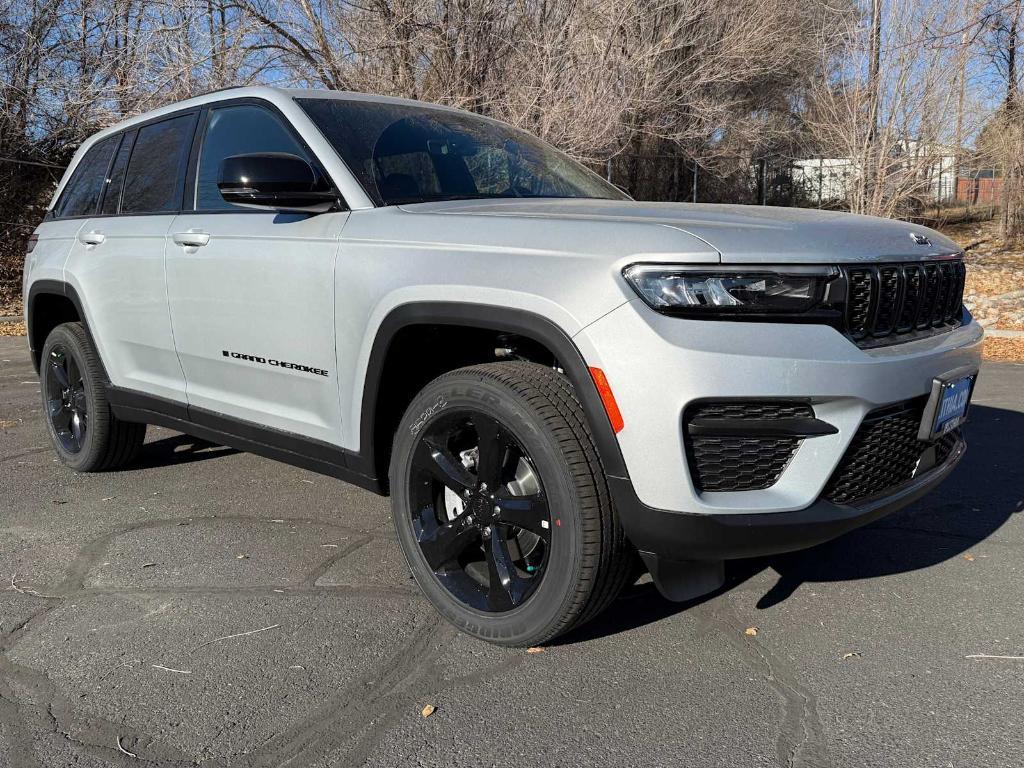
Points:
(67, 291)
(493, 318)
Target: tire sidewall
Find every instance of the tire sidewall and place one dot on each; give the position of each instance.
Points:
(63, 335)
(540, 615)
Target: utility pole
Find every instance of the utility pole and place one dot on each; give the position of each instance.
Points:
(875, 64)
(870, 171)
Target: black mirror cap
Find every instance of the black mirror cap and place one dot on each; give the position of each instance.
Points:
(275, 180)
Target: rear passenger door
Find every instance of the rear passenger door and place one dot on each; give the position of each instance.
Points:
(118, 258)
(251, 292)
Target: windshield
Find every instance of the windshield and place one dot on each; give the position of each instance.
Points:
(408, 154)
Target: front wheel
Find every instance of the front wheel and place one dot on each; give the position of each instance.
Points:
(501, 506)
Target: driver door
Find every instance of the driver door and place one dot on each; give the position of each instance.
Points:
(251, 292)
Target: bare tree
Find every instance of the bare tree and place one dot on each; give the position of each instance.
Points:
(890, 119)
(1002, 143)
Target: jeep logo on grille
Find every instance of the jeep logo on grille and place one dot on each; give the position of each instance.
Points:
(920, 239)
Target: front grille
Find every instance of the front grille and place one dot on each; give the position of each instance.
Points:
(884, 454)
(740, 462)
(889, 303)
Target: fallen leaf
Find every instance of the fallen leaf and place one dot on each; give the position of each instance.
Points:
(851, 655)
(535, 649)
(969, 557)
(241, 557)
(750, 631)
(428, 710)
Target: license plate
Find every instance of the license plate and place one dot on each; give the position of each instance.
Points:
(947, 407)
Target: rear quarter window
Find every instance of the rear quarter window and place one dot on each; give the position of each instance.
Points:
(83, 190)
(156, 172)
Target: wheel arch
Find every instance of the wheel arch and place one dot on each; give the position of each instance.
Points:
(375, 435)
(50, 303)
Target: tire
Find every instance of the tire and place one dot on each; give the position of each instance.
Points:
(85, 433)
(568, 566)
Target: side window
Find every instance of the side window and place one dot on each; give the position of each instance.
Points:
(115, 181)
(82, 192)
(157, 167)
(238, 130)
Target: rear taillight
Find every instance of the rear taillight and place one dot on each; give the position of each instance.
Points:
(31, 244)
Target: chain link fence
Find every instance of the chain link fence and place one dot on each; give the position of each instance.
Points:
(816, 182)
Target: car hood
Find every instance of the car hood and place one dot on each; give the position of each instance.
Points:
(741, 234)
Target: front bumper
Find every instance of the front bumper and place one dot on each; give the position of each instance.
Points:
(676, 536)
(657, 366)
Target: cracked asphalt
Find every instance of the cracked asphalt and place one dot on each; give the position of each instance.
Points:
(212, 607)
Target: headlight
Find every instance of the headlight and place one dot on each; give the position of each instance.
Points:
(734, 292)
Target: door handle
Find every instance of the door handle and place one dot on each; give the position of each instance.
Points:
(191, 239)
(91, 238)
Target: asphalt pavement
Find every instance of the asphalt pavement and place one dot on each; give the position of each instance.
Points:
(211, 607)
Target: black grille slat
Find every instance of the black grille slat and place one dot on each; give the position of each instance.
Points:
(884, 454)
(942, 295)
(740, 462)
(931, 289)
(889, 303)
(954, 304)
(911, 299)
(858, 303)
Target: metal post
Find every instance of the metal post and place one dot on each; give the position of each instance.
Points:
(608, 172)
(695, 181)
(764, 181)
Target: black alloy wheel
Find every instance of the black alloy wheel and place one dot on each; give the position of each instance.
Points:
(480, 513)
(86, 434)
(66, 401)
(501, 506)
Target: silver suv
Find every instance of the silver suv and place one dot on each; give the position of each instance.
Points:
(546, 376)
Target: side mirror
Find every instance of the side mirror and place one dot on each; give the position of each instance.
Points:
(274, 180)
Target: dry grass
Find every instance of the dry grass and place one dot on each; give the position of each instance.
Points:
(995, 283)
(1004, 350)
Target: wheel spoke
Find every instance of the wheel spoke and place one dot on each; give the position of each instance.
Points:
(77, 428)
(73, 373)
(58, 365)
(494, 449)
(446, 542)
(443, 466)
(55, 406)
(527, 512)
(506, 588)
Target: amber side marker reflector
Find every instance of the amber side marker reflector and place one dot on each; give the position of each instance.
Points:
(608, 399)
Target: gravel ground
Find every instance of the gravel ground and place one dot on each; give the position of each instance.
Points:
(210, 607)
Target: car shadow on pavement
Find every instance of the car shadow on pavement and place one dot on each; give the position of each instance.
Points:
(974, 502)
(178, 449)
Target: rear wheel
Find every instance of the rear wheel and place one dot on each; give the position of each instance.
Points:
(501, 505)
(85, 434)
